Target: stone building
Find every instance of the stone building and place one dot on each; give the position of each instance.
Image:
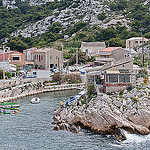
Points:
(135, 42)
(110, 54)
(46, 58)
(114, 76)
(29, 56)
(92, 48)
(29, 53)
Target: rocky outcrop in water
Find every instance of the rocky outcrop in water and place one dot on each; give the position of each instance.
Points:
(110, 114)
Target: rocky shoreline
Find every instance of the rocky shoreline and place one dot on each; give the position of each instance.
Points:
(109, 114)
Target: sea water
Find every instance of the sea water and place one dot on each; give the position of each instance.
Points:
(32, 129)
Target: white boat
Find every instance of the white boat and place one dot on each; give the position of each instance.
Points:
(35, 100)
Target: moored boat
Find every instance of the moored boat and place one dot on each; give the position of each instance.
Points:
(35, 100)
(9, 111)
(9, 105)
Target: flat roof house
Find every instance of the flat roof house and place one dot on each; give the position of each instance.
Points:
(92, 48)
(46, 58)
(135, 42)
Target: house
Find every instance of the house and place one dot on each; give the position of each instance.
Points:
(18, 58)
(4, 60)
(4, 53)
(29, 54)
(135, 42)
(114, 76)
(92, 48)
(46, 58)
(8, 67)
(29, 57)
(4, 56)
(110, 54)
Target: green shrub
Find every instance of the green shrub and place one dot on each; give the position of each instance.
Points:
(129, 88)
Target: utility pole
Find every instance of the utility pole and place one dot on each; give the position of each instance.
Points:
(49, 60)
(77, 56)
(142, 29)
(3, 63)
(130, 47)
(62, 55)
(142, 50)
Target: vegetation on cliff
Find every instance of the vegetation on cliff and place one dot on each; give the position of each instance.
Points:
(135, 12)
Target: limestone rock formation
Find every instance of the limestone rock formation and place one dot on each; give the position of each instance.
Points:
(107, 114)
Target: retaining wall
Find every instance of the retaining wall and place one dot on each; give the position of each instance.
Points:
(31, 88)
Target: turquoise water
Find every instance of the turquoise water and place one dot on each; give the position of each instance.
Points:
(31, 129)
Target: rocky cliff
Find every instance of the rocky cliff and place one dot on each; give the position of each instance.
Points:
(109, 114)
(84, 10)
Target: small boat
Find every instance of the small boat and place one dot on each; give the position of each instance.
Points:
(9, 105)
(72, 98)
(11, 108)
(10, 111)
(14, 112)
(35, 100)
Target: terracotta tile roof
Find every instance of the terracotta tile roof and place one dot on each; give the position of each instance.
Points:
(109, 49)
(16, 52)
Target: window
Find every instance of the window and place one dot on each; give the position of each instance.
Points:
(50, 57)
(56, 57)
(136, 41)
(91, 51)
(107, 76)
(34, 73)
(124, 78)
(39, 58)
(113, 78)
(86, 50)
(16, 58)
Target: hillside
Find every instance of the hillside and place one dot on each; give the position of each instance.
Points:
(37, 23)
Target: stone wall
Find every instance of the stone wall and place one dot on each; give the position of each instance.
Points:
(116, 87)
(31, 87)
(12, 83)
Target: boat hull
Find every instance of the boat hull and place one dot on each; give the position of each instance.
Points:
(35, 101)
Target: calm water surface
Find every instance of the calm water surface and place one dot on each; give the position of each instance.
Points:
(31, 129)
